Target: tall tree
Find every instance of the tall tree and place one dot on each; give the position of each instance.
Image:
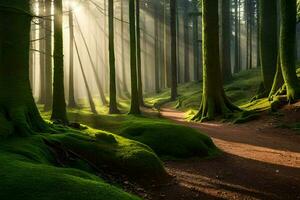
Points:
(42, 49)
(236, 43)
(59, 112)
(134, 106)
(196, 40)
(72, 102)
(173, 10)
(18, 114)
(48, 55)
(138, 53)
(287, 48)
(113, 109)
(226, 38)
(214, 101)
(186, 20)
(268, 43)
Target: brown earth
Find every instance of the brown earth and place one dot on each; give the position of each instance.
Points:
(260, 161)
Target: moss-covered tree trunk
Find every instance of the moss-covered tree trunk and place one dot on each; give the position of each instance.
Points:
(226, 35)
(113, 109)
(173, 10)
(59, 112)
(268, 43)
(48, 56)
(18, 112)
(134, 106)
(287, 48)
(214, 101)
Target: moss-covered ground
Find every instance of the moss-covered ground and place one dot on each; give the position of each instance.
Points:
(30, 171)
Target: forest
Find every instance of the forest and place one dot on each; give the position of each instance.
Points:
(149, 99)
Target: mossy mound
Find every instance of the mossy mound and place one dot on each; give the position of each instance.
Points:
(28, 172)
(30, 167)
(169, 140)
(117, 153)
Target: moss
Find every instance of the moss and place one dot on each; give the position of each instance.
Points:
(118, 153)
(27, 172)
(167, 139)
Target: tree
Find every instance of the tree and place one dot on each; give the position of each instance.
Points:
(268, 43)
(59, 112)
(214, 101)
(48, 56)
(42, 48)
(236, 43)
(138, 53)
(134, 106)
(226, 35)
(113, 108)
(186, 19)
(18, 114)
(287, 48)
(72, 102)
(196, 40)
(173, 8)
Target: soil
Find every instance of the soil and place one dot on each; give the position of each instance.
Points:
(259, 161)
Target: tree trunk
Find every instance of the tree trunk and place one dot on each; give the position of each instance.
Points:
(268, 42)
(173, 9)
(186, 46)
(226, 38)
(236, 43)
(138, 53)
(113, 108)
(287, 48)
(134, 107)
(18, 113)
(156, 49)
(59, 112)
(48, 56)
(72, 102)
(42, 49)
(214, 101)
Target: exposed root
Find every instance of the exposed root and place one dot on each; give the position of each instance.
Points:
(211, 108)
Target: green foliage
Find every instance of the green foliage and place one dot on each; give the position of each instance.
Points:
(298, 11)
(27, 172)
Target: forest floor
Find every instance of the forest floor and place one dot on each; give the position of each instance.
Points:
(260, 160)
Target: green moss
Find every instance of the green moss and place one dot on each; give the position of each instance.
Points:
(167, 139)
(27, 172)
(120, 154)
(240, 91)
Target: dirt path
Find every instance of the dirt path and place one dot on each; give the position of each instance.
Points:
(259, 162)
